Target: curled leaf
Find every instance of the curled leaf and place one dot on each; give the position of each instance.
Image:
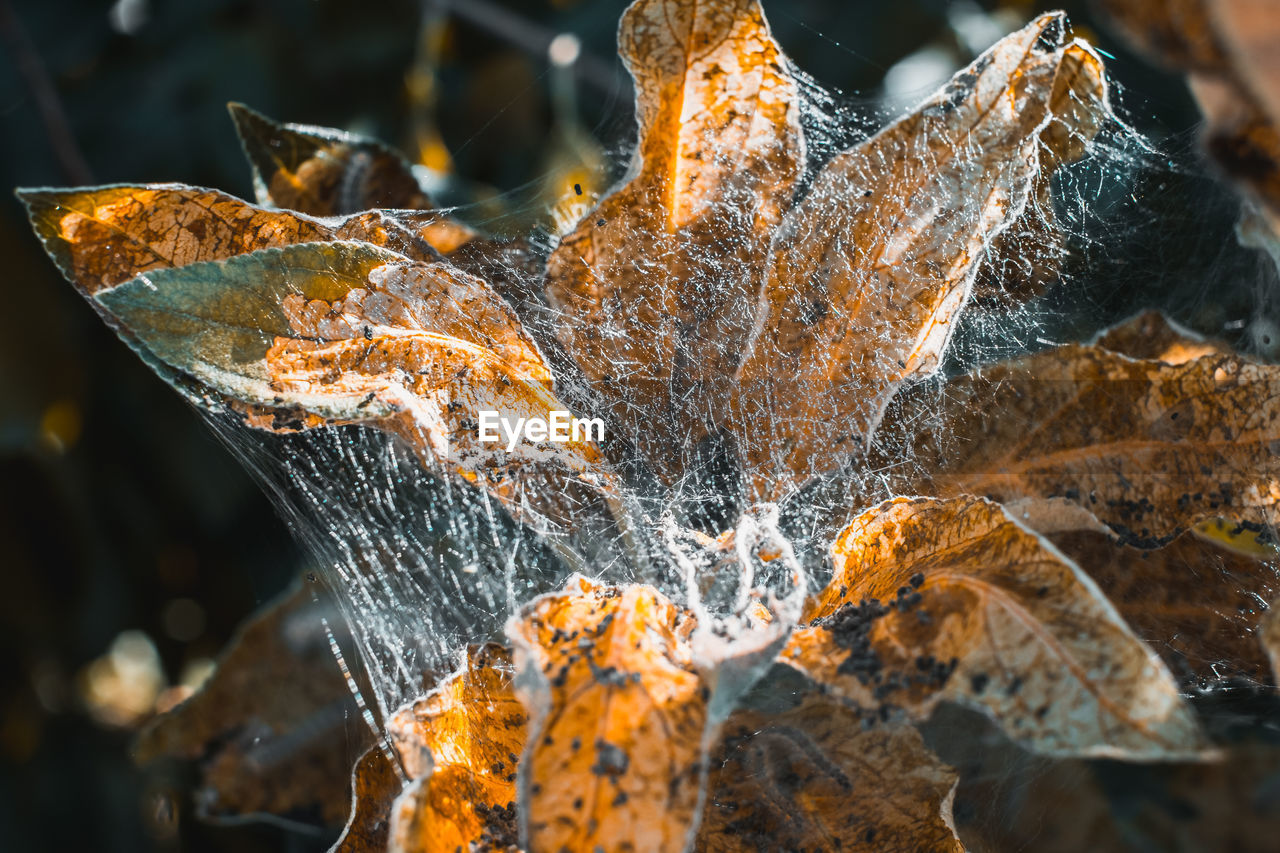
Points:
(936, 599)
(348, 333)
(653, 288)
(617, 718)
(460, 745)
(813, 777)
(324, 172)
(1150, 448)
(869, 272)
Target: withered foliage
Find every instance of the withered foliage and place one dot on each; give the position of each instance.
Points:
(1094, 543)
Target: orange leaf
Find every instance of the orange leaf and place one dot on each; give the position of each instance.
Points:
(460, 746)
(654, 288)
(104, 236)
(1153, 336)
(951, 599)
(617, 720)
(375, 784)
(869, 272)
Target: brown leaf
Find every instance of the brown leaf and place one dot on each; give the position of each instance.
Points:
(375, 784)
(1269, 634)
(1176, 32)
(1065, 806)
(1153, 336)
(272, 726)
(1195, 603)
(1149, 448)
(935, 599)
(871, 269)
(324, 172)
(1249, 31)
(814, 778)
(654, 287)
(104, 236)
(460, 746)
(1228, 49)
(617, 720)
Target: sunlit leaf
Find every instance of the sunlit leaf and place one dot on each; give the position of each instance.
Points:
(347, 333)
(870, 270)
(274, 726)
(103, 236)
(814, 778)
(375, 784)
(951, 599)
(617, 718)
(656, 285)
(324, 172)
(1150, 448)
(460, 746)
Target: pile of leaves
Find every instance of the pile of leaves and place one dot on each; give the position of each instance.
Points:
(1088, 545)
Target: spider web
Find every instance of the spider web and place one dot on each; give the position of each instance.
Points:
(422, 564)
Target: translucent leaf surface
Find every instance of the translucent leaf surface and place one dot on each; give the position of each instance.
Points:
(869, 272)
(654, 286)
(617, 714)
(952, 599)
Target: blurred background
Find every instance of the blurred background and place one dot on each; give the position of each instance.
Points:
(131, 543)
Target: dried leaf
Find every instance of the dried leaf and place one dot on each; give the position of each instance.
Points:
(617, 720)
(1152, 336)
(1227, 48)
(1249, 31)
(375, 784)
(815, 778)
(1269, 634)
(655, 286)
(1149, 448)
(324, 172)
(271, 727)
(103, 236)
(1196, 603)
(347, 333)
(936, 599)
(870, 270)
(460, 745)
(1016, 804)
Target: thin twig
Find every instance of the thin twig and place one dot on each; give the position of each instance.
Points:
(31, 68)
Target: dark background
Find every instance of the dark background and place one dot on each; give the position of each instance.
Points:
(116, 501)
